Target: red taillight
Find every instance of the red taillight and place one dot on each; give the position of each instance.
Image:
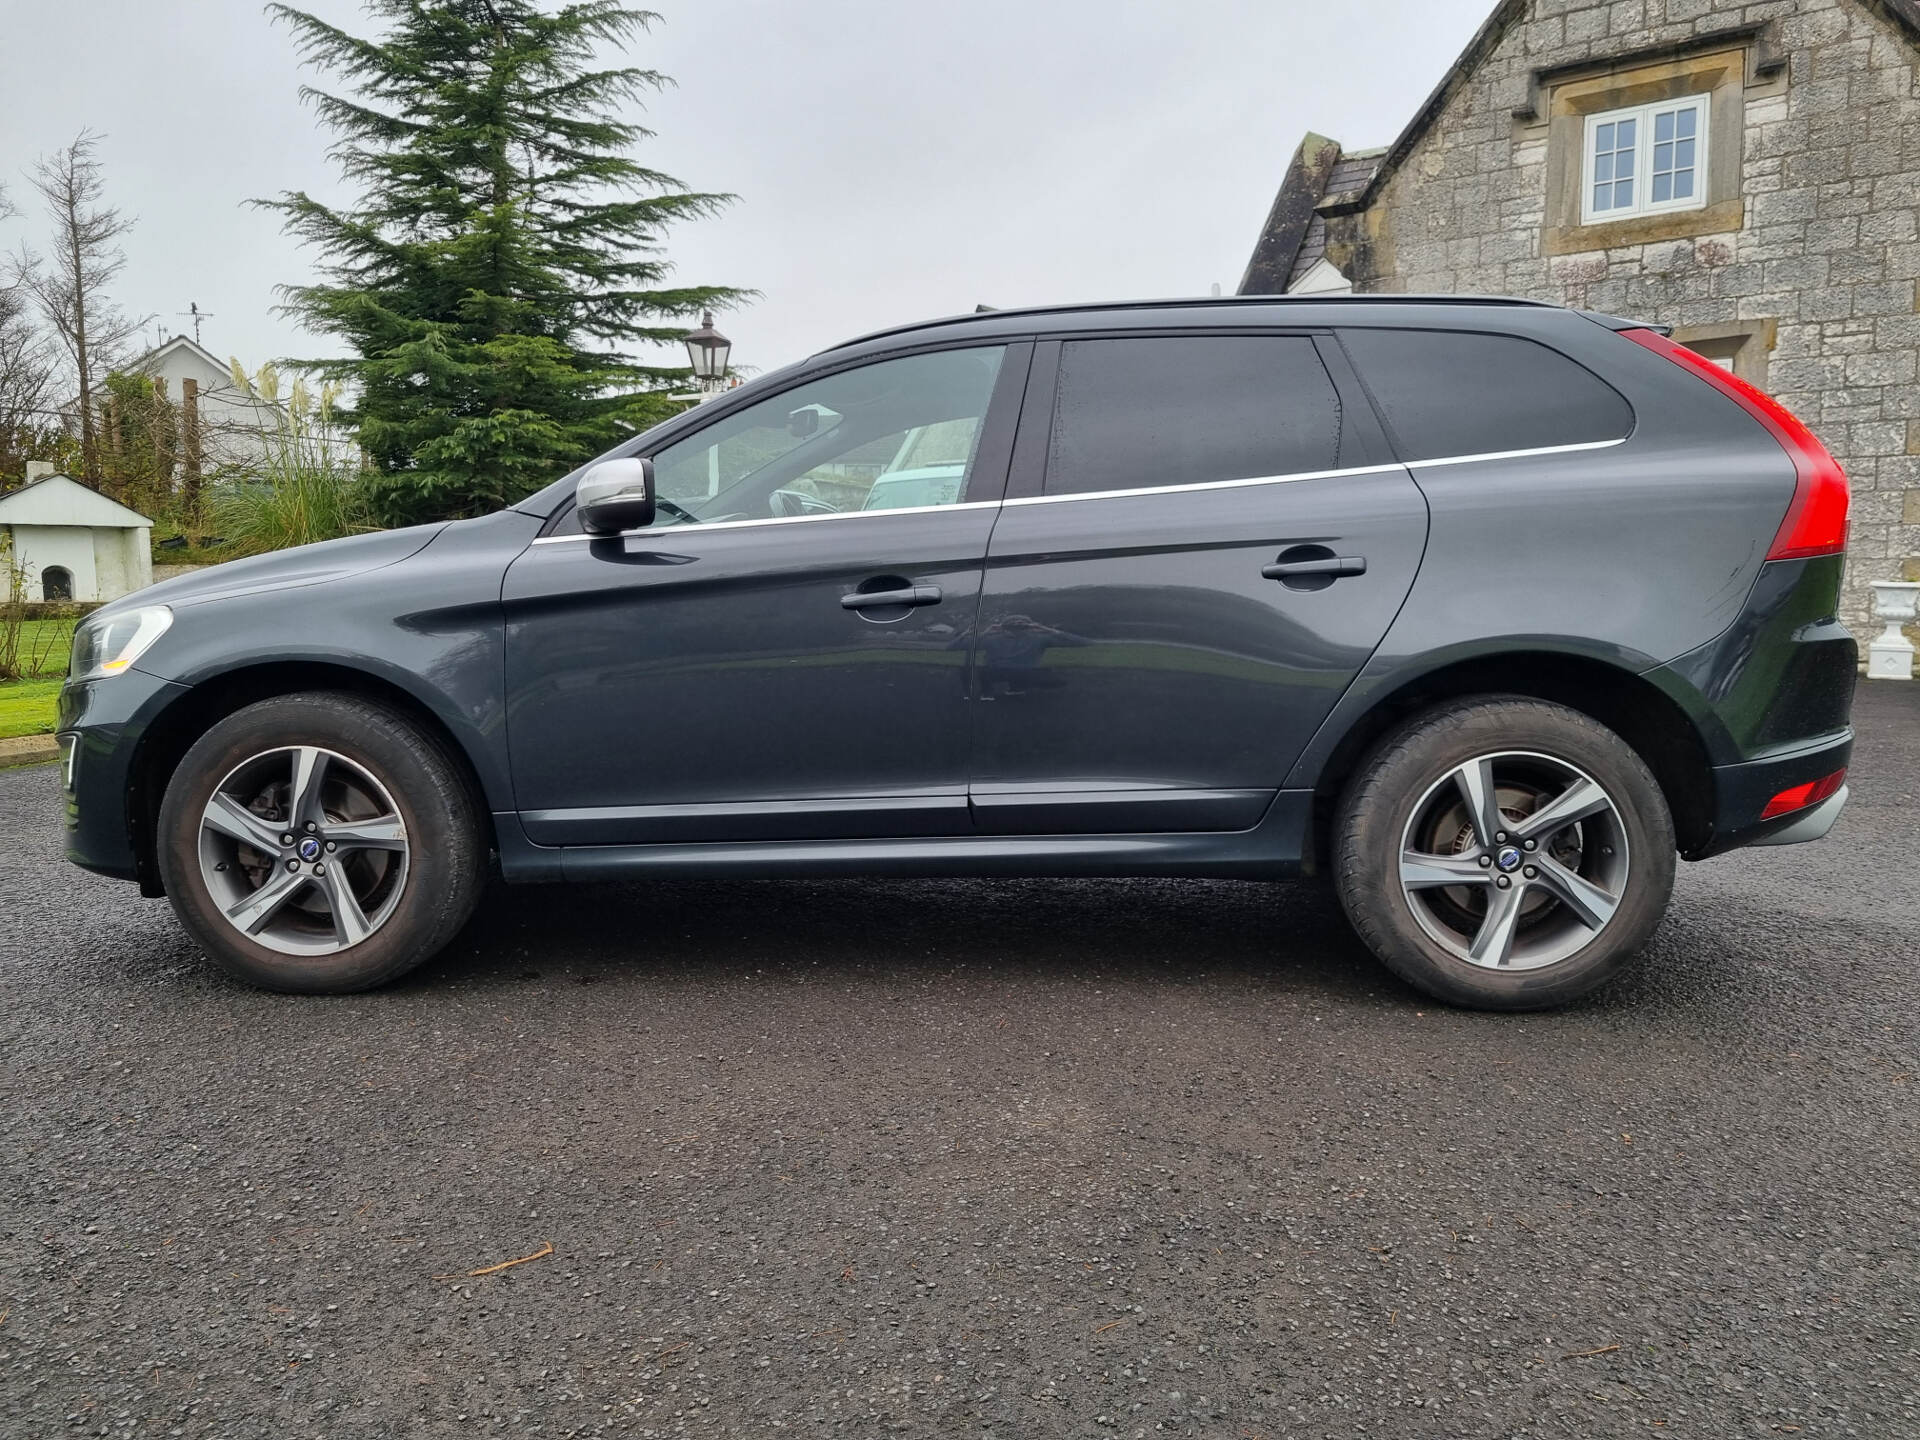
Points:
(1816, 522)
(1799, 797)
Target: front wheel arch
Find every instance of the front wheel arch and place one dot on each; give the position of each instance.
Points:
(173, 732)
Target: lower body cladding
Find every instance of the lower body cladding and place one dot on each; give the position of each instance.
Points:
(1278, 848)
(1274, 849)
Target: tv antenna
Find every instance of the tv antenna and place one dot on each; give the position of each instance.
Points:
(196, 314)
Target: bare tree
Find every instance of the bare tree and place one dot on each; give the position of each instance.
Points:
(26, 367)
(71, 284)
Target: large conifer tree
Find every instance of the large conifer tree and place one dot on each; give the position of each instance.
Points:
(503, 258)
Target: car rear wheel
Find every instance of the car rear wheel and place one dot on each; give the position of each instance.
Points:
(320, 844)
(1504, 853)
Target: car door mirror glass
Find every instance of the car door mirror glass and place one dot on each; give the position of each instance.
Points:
(809, 420)
(616, 495)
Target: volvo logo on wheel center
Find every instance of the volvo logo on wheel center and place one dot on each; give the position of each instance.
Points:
(310, 849)
(1507, 859)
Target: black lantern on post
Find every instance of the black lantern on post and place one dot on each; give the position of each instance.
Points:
(708, 350)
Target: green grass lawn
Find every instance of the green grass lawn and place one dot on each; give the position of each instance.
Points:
(27, 707)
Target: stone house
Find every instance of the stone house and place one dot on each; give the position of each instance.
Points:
(1746, 172)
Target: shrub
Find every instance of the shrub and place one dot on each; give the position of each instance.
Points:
(13, 608)
(307, 487)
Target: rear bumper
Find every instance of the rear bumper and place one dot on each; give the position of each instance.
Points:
(1769, 699)
(1741, 793)
(1809, 824)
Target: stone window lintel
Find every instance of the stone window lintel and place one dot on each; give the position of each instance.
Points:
(1765, 60)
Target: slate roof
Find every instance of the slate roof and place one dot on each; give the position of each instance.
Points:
(1350, 176)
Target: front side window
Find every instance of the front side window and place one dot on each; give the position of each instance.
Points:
(893, 435)
(1145, 413)
(1645, 160)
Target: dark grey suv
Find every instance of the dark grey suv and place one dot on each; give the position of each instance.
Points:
(1484, 609)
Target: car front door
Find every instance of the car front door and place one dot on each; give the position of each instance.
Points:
(724, 674)
(1203, 541)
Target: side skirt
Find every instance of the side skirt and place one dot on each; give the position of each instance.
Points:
(1272, 850)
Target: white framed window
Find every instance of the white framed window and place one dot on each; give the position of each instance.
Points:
(1645, 160)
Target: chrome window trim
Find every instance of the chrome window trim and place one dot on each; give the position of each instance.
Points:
(1312, 474)
(1203, 485)
(778, 520)
(1521, 454)
(1492, 455)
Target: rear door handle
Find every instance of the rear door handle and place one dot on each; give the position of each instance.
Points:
(1330, 566)
(882, 599)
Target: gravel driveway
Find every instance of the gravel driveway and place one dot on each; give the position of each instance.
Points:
(970, 1158)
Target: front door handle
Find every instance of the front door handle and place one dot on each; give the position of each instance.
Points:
(885, 599)
(1331, 566)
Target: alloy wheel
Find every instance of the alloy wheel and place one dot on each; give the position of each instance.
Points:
(303, 850)
(1514, 860)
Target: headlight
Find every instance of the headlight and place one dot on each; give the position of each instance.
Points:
(109, 645)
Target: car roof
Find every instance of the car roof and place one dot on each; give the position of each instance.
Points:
(1225, 308)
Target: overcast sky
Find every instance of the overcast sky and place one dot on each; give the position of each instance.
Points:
(894, 161)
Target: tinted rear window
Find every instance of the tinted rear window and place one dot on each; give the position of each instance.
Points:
(1187, 410)
(1445, 392)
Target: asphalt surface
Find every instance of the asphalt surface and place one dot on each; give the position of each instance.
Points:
(989, 1159)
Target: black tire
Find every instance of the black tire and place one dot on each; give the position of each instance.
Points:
(1409, 777)
(446, 849)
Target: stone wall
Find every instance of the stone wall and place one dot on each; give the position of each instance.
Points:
(1826, 242)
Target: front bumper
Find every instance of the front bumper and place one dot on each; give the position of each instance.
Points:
(102, 724)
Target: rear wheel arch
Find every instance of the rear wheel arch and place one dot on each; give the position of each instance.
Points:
(176, 728)
(1649, 719)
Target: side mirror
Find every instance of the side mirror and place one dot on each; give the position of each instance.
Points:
(615, 495)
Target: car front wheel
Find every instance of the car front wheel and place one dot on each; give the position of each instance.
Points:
(1504, 853)
(320, 844)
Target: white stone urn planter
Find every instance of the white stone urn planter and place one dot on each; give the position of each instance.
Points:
(1890, 656)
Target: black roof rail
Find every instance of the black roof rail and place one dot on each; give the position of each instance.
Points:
(1191, 302)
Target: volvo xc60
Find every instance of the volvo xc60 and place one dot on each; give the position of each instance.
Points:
(1485, 610)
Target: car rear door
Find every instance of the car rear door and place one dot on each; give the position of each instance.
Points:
(1204, 539)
